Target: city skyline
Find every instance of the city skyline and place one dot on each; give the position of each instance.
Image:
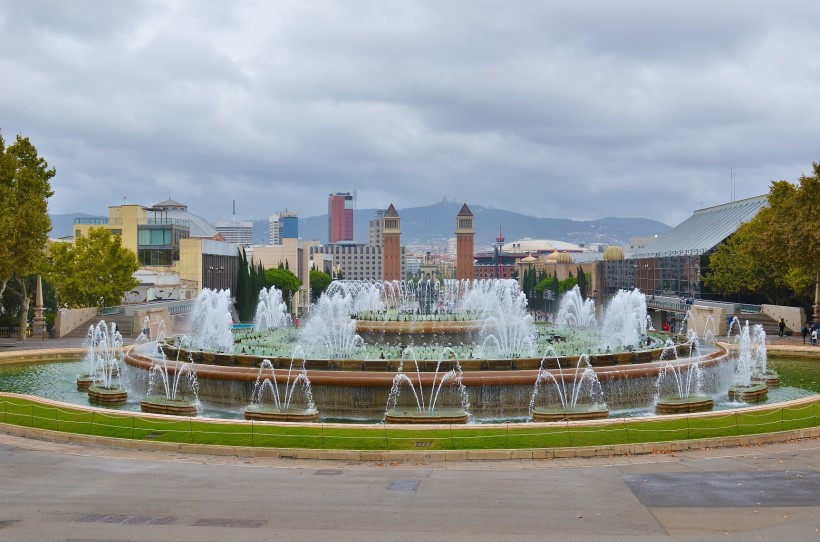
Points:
(550, 110)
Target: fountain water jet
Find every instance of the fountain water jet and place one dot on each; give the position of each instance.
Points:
(288, 401)
(105, 356)
(419, 411)
(584, 400)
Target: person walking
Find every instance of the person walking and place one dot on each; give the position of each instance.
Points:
(805, 331)
(782, 327)
(814, 337)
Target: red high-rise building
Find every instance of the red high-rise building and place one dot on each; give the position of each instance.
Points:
(340, 217)
(391, 250)
(465, 251)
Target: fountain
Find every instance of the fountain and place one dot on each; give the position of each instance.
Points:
(211, 321)
(584, 400)
(575, 311)
(625, 318)
(105, 356)
(403, 407)
(356, 337)
(330, 332)
(750, 362)
(679, 390)
(293, 403)
(271, 310)
(179, 389)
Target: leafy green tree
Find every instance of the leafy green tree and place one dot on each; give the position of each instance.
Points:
(777, 253)
(319, 281)
(25, 186)
(284, 280)
(582, 282)
(96, 271)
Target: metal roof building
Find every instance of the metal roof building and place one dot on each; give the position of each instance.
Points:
(704, 230)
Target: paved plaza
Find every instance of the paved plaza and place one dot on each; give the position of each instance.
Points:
(66, 492)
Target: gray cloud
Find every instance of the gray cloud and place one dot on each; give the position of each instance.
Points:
(577, 110)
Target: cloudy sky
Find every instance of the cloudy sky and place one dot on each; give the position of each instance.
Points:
(555, 109)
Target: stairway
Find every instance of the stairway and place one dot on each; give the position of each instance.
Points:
(123, 321)
(769, 324)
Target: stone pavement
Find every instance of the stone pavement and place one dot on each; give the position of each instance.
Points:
(66, 492)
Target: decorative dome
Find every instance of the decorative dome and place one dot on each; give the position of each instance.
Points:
(563, 257)
(613, 253)
(553, 257)
(529, 259)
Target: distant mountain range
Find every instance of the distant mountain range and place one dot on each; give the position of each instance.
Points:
(437, 222)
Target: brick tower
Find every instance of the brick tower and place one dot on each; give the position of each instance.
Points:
(391, 250)
(465, 232)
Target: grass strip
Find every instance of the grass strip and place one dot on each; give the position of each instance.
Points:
(27, 412)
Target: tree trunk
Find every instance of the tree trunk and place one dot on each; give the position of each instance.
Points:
(24, 304)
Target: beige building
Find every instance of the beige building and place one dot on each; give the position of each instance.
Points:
(168, 239)
(296, 254)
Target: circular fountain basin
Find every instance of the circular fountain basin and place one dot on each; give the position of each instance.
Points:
(771, 378)
(107, 396)
(272, 413)
(158, 404)
(85, 381)
(676, 404)
(754, 392)
(415, 416)
(557, 413)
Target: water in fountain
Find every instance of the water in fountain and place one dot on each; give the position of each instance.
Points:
(508, 330)
(751, 352)
(182, 384)
(576, 311)
(679, 389)
(211, 321)
(104, 354)
(673, 381)
(751, 379)
(447, 400)
(330, 332)
(295, 390)
(271, 310)
(552, 399)
(624, 321)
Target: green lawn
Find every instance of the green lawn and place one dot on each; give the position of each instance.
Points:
(26, 412)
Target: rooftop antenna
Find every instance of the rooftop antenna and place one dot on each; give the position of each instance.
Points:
(234, 210)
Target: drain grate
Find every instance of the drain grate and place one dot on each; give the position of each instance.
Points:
(7, 522)
(238, 523)
(404, 485)
(127, 520)
(328, 472)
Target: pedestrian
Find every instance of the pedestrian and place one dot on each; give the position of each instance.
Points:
(805, 331)
(782, 327)
(814, 337)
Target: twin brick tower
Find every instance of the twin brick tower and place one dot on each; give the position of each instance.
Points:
(465, 233)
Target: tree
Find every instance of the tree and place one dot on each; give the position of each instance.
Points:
(319, 281)
(25, 186)
(96, 271)
(777, 253)
(582, 282)
(243, 287)
(284, 280)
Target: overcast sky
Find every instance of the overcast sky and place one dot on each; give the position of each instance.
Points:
(555, 109)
